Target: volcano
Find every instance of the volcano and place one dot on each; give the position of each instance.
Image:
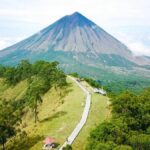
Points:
(79, 45)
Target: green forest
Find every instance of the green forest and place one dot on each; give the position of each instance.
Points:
(129, 128)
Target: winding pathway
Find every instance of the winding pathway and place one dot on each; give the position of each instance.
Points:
(84, 117)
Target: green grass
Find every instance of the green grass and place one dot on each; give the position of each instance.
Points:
(12, 92)
(59, 113)
(3, 86)
(58, 120)
(58, 117)
(99, 112)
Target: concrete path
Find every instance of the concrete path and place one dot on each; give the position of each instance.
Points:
(84, 117)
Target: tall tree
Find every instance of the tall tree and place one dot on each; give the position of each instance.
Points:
(24, 70)
(9, 117)
(34, 95)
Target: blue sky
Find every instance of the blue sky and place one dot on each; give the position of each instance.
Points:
(127, 20)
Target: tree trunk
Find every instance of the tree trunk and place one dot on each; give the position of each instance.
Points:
(35, 115)
(3, 146)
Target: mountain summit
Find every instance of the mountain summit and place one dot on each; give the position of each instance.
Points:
(77, 19)
(77, 43)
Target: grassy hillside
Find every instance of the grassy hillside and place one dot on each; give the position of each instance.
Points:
(12, 92)
(58, 115)
(99, 112)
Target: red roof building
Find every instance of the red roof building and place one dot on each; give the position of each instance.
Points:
(49, 140)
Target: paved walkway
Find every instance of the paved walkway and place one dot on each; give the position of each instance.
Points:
(84, 117)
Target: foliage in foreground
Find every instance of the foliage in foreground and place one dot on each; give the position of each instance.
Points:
(90, 81)
(68, 147)
(130, 125)
(9, 118)
(41, 77)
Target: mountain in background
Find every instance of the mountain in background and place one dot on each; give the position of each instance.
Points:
(80, 46)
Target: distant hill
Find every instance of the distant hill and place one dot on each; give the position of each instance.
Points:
(80, 46)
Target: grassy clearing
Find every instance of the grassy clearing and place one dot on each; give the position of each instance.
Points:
(58, 117)
(3, 86)
(12, 92)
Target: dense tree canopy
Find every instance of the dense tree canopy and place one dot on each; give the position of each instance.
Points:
(129, 127)
(50, 72)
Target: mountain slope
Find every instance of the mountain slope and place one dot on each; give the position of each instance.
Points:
(73, 33)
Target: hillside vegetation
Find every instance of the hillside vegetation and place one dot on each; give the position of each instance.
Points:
(32, 109)
(23, 88)
(129, 128)
(99, 112)
(57, 118)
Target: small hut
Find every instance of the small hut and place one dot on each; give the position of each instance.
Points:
(49, 143)
(100, 91)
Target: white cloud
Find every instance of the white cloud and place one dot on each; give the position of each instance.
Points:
(3, 44)
(139, 49)
(148, 38)
(136, 46)
(7, 41)
(102, 11)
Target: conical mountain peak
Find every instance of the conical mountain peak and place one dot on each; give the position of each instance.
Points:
(76, 14)
(76, 19)
(73, 33)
